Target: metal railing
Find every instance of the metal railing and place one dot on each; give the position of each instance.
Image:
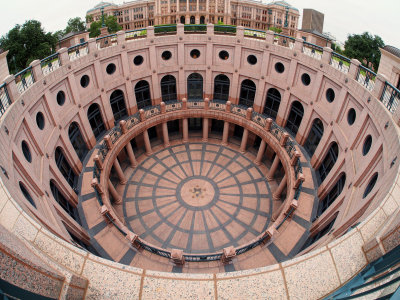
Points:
(195, 28)
(77, 51)
(135, 34)
(50, 63)
(224, 29)
(340, 62)
(24, 79)
(313, 50)
(366, 77)
(5, 100)
(283, 40)
(254, 33)
(390, 97)
(165, 29)
(106, 41)
(202, 257)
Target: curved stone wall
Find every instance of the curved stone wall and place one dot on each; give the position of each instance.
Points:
(331, 265)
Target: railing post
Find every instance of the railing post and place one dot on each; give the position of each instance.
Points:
(92, 46)
(327, 55)
(268, 124)
(210, 29)
(150, 31)
(295, 158)
(269, 37)
(206, 103)
(177, 256)
(299, 180)
(98, 162)
(240, 33)
(107, 140)
(11, 88)
(298, 45)
(380, 82)
(120, 37)
(142, 115)
(162, 107)
(184, 103)
(228, 106)
(95, 184)
(122, 125)
(36, 70)
(267, 236)
(228, 254)
(249, 113)
(353, 71)
(180, 30)
(284, 139)
(63, 56)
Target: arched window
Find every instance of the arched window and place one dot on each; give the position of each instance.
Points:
(328, 162)
(142, 93)
(26, 194)
(272, 103)
(95, 120)
(295, 117)
(183, 20)
(202, 20)
(65, 168)
(168, 88)
(118, 107)
(314, 137)
(221, 88)
(247, 93)
(77, 141)
(64, 203)
(192, 20)
(335, 191)
(195, 86)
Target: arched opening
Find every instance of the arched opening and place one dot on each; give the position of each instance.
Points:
(65, 168)
(142, 94)
(202, 20)
(295, 117)
(328, 162)
(195, 86)
(182, 19)
(168, 88)
(221, 88)
(63, 202)
(272, 103)
(192, 20)
(118, 106)
(77, 141)
(335, 191)
(315, 237)
(314, 137)
(95, 120)
(247, 93)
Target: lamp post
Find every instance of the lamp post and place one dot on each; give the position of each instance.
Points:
(103, 24)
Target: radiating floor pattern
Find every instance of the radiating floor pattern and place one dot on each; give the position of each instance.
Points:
(197, 197)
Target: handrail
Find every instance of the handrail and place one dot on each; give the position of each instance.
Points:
(152, 111)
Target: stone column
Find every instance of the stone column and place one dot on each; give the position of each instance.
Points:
(272, 170)
(243, 144)
(117, 198)
(165, 134)
(120, 173)
(260, 153)
(147, 143)
(131, 155)
(225, 134)
(205, 130)
(185, 130)
(278, 192)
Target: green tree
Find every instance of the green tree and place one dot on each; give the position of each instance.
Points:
(75, 25)
(111, 24)
(275, 29)
(26, 43)
(89, 18)
(365, 48)
(336, 48)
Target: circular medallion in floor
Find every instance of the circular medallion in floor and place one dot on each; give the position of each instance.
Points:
(197, 197)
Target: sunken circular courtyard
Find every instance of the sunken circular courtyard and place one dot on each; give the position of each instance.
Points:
(190, 163)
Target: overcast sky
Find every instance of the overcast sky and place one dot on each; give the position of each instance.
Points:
(342, 17)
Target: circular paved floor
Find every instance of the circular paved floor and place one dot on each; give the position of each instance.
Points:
(197, 197)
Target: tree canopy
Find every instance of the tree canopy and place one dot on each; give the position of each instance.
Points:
(75, 25)
(26, 43)
(365, 48)
(111, 24)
